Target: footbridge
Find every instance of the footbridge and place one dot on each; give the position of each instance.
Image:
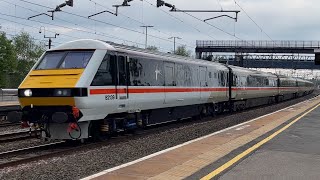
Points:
(275, 54)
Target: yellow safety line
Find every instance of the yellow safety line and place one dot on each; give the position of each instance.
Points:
(253, 148)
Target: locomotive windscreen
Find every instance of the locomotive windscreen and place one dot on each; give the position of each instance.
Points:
(65, 60)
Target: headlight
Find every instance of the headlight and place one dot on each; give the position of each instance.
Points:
(27, 93)
(62, 92)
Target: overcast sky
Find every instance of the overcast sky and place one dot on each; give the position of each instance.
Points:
(279, 19)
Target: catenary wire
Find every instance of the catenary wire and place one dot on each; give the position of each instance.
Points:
(220, 4)
(261, 29)
(101, 34)
(103, 22)
(106, 35)
(180, 20)
(75, 29)
(139, 22)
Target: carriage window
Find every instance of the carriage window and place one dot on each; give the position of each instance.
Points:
(65, 60)
(144, 71)
(169, 74)
(267, 82)
(227, 80)
(235, 80)
(222, 79)
(179, 74)
(188, 75)
(105, 75)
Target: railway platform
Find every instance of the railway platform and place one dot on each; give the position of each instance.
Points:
(281, 145)
(8, 103)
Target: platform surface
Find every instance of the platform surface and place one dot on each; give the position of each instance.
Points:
(293, 154)
(197, 158)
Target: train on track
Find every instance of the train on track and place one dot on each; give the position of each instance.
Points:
(91, 88)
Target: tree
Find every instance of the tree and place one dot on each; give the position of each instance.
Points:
(27, 48)
(182, 51)
(8, 60)
(27, 52)
(152, 48)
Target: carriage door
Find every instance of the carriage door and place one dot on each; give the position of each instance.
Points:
(169, 82)
(223, 83)
(203, 83)
(227, 81)
(123, 80)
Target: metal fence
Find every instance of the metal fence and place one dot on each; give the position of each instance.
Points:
(259, 44)
(8, 94)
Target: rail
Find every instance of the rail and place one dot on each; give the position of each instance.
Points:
(259, 44)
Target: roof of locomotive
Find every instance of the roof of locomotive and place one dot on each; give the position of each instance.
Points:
(145, 52)
(83, 44)
(99, 44)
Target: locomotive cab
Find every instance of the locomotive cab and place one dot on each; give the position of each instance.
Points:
(53, 92)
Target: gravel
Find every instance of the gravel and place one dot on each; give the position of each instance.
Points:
(20, 144)
(10, 129)
(87, 162)
(17, 144)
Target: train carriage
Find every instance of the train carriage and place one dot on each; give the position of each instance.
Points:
(251, 87)
(304, 87)
(287, 88)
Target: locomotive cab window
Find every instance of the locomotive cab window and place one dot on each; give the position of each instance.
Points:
(51, 60)
(76, 60)
(65, 60)
(106, 74)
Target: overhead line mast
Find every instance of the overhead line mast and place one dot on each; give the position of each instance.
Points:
(57, 9)
(146, 44)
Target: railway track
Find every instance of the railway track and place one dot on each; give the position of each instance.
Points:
(8, 124)
(18, 136)
(25, 155)
(45, 151)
